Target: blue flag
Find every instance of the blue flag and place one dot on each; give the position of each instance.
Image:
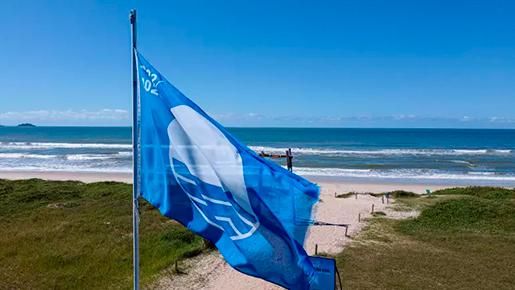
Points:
(194, 171)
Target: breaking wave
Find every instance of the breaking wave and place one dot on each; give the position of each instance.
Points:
(384, 152)
(24, 155)
(89, 156)
(72, 157)
(51, 145)
(402, 174)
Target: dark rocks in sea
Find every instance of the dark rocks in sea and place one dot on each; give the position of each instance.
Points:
(26, 125)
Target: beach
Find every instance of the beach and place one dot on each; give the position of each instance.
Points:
(329, 240)
(59, 209)
(340, 161)
(257, 145)
(68, 175)
(328, 186)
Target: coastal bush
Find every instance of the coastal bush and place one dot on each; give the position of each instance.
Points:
(479, 191)
(470, 214)
(462, 240)
(402, 193)
(395, 194)
(68, 234)
(346, 195)
(20, 195)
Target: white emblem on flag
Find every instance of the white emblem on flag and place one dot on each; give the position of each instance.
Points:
(212, 159)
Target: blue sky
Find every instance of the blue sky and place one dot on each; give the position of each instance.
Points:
(266, 63)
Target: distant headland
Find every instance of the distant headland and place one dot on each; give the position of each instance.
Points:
(26, 125)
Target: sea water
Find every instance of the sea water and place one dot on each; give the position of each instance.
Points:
(461, 156)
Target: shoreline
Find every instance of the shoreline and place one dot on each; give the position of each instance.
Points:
(339, 184)
(84, 176)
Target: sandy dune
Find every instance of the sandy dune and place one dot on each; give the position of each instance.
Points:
(209, 271)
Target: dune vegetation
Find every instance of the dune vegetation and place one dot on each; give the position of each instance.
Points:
(67, 234)
(464, 238)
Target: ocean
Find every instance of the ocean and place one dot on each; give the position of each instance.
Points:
(450, 156)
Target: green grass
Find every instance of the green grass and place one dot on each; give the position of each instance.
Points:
(468, 214)
(74, 235)
(496, 193)
(463, 239)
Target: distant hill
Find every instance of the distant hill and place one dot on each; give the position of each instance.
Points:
(26, 125)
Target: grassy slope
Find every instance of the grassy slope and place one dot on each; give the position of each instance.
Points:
(463, 239)
(75, 235)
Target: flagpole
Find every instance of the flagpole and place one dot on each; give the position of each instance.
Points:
(135, 155)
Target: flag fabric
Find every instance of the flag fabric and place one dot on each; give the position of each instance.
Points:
(194, 171)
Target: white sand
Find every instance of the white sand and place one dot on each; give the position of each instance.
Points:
(209, 271)
(328, 186)
(66, 175)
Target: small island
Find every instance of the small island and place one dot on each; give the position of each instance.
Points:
(26, 125)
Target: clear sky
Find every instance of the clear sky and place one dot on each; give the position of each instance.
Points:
(265, 63)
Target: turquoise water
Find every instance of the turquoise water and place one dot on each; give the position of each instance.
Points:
(414, 155)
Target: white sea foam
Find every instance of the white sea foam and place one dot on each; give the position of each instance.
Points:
(118, 155)
(383, 152)
(402, 174)
(24, 155)
(67, 168)
(489, 173)
(296, 150)
(67, 157)
(471, 151)
(18, 157)
(89, 156)
(52, 145)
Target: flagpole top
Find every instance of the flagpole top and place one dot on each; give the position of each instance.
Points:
(132, 16)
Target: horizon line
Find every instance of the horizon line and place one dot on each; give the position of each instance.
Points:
(262, 127)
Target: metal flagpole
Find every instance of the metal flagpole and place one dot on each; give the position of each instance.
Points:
(135, 155)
